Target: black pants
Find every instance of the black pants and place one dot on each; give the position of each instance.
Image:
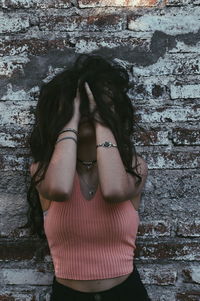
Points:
(132, 289)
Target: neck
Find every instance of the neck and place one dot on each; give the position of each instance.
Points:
(87, 151)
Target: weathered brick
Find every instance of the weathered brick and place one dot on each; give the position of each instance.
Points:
(23, 250)
(35, 46)
(16, 296)
(25, 276)
(106, 3)
(170, 23)
(188, 296)
(181, 2)
(158, 135)
(185, 91)
(25, 94)
(35, 4)
(186, 43)
(173, 159)
(117, 45)
(170, 63)
(184, 136)
(9, 211)
(15, 162)
(14, 137)
(168, 195)
(168, 250)
(192, 229)
(9, 66)
(162, 293)
(155, 229)
(105, 22)
(173, 113)
(160, 276)
(174, 187)
(19, 113)
(12, 183)
(191, 274)
(13, 23)
(147, 90)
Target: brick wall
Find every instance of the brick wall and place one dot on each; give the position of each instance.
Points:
(158, 42)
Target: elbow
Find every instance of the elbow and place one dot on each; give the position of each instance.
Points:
(60, 197)
(113, 197)
(56, 195)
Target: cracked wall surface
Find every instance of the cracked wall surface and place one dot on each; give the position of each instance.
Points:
(158, 41)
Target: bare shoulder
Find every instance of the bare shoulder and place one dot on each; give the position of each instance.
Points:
(45, 204)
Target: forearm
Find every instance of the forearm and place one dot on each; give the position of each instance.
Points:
(58, 181)
(112, 174)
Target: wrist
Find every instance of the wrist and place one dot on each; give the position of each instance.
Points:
(73, 123)
(99, 125)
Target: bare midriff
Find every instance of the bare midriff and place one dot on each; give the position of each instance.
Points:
(90, 286)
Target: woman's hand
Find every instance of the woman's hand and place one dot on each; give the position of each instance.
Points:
(92, 104)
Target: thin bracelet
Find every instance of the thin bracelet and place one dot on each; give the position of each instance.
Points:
(68, 130)
(107, 144)
(66, 138)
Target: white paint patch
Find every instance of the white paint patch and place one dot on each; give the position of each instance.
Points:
(11, 64)
(83, 46)
(20, 94)
(180, 63)
(7, 140)
(178, 22)
(13, 23)
(175, 114)
(17, 113)
(196, 274)
(25, 276)
(181, 47)
(186, 91)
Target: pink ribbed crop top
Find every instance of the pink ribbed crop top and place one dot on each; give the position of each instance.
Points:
(91, 239)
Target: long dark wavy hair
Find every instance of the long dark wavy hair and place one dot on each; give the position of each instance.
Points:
(109, 83)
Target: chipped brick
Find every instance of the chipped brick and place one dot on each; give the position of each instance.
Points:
(168, 250)
(156, 228)
(192, 229)
(192, 274)
(75, 23)
(188, 296)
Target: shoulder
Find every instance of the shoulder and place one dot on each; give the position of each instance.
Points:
(44, 202)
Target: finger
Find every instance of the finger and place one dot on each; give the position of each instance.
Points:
(77, 90)
(89, 92)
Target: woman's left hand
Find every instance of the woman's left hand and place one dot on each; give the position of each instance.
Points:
(92, 104)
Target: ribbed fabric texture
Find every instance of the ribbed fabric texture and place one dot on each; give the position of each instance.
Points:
(91, 239)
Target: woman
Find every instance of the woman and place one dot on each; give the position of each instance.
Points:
(87, 182)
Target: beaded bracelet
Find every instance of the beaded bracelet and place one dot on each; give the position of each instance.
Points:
(66, 138)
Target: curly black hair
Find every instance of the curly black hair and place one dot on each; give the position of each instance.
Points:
(109, 83)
